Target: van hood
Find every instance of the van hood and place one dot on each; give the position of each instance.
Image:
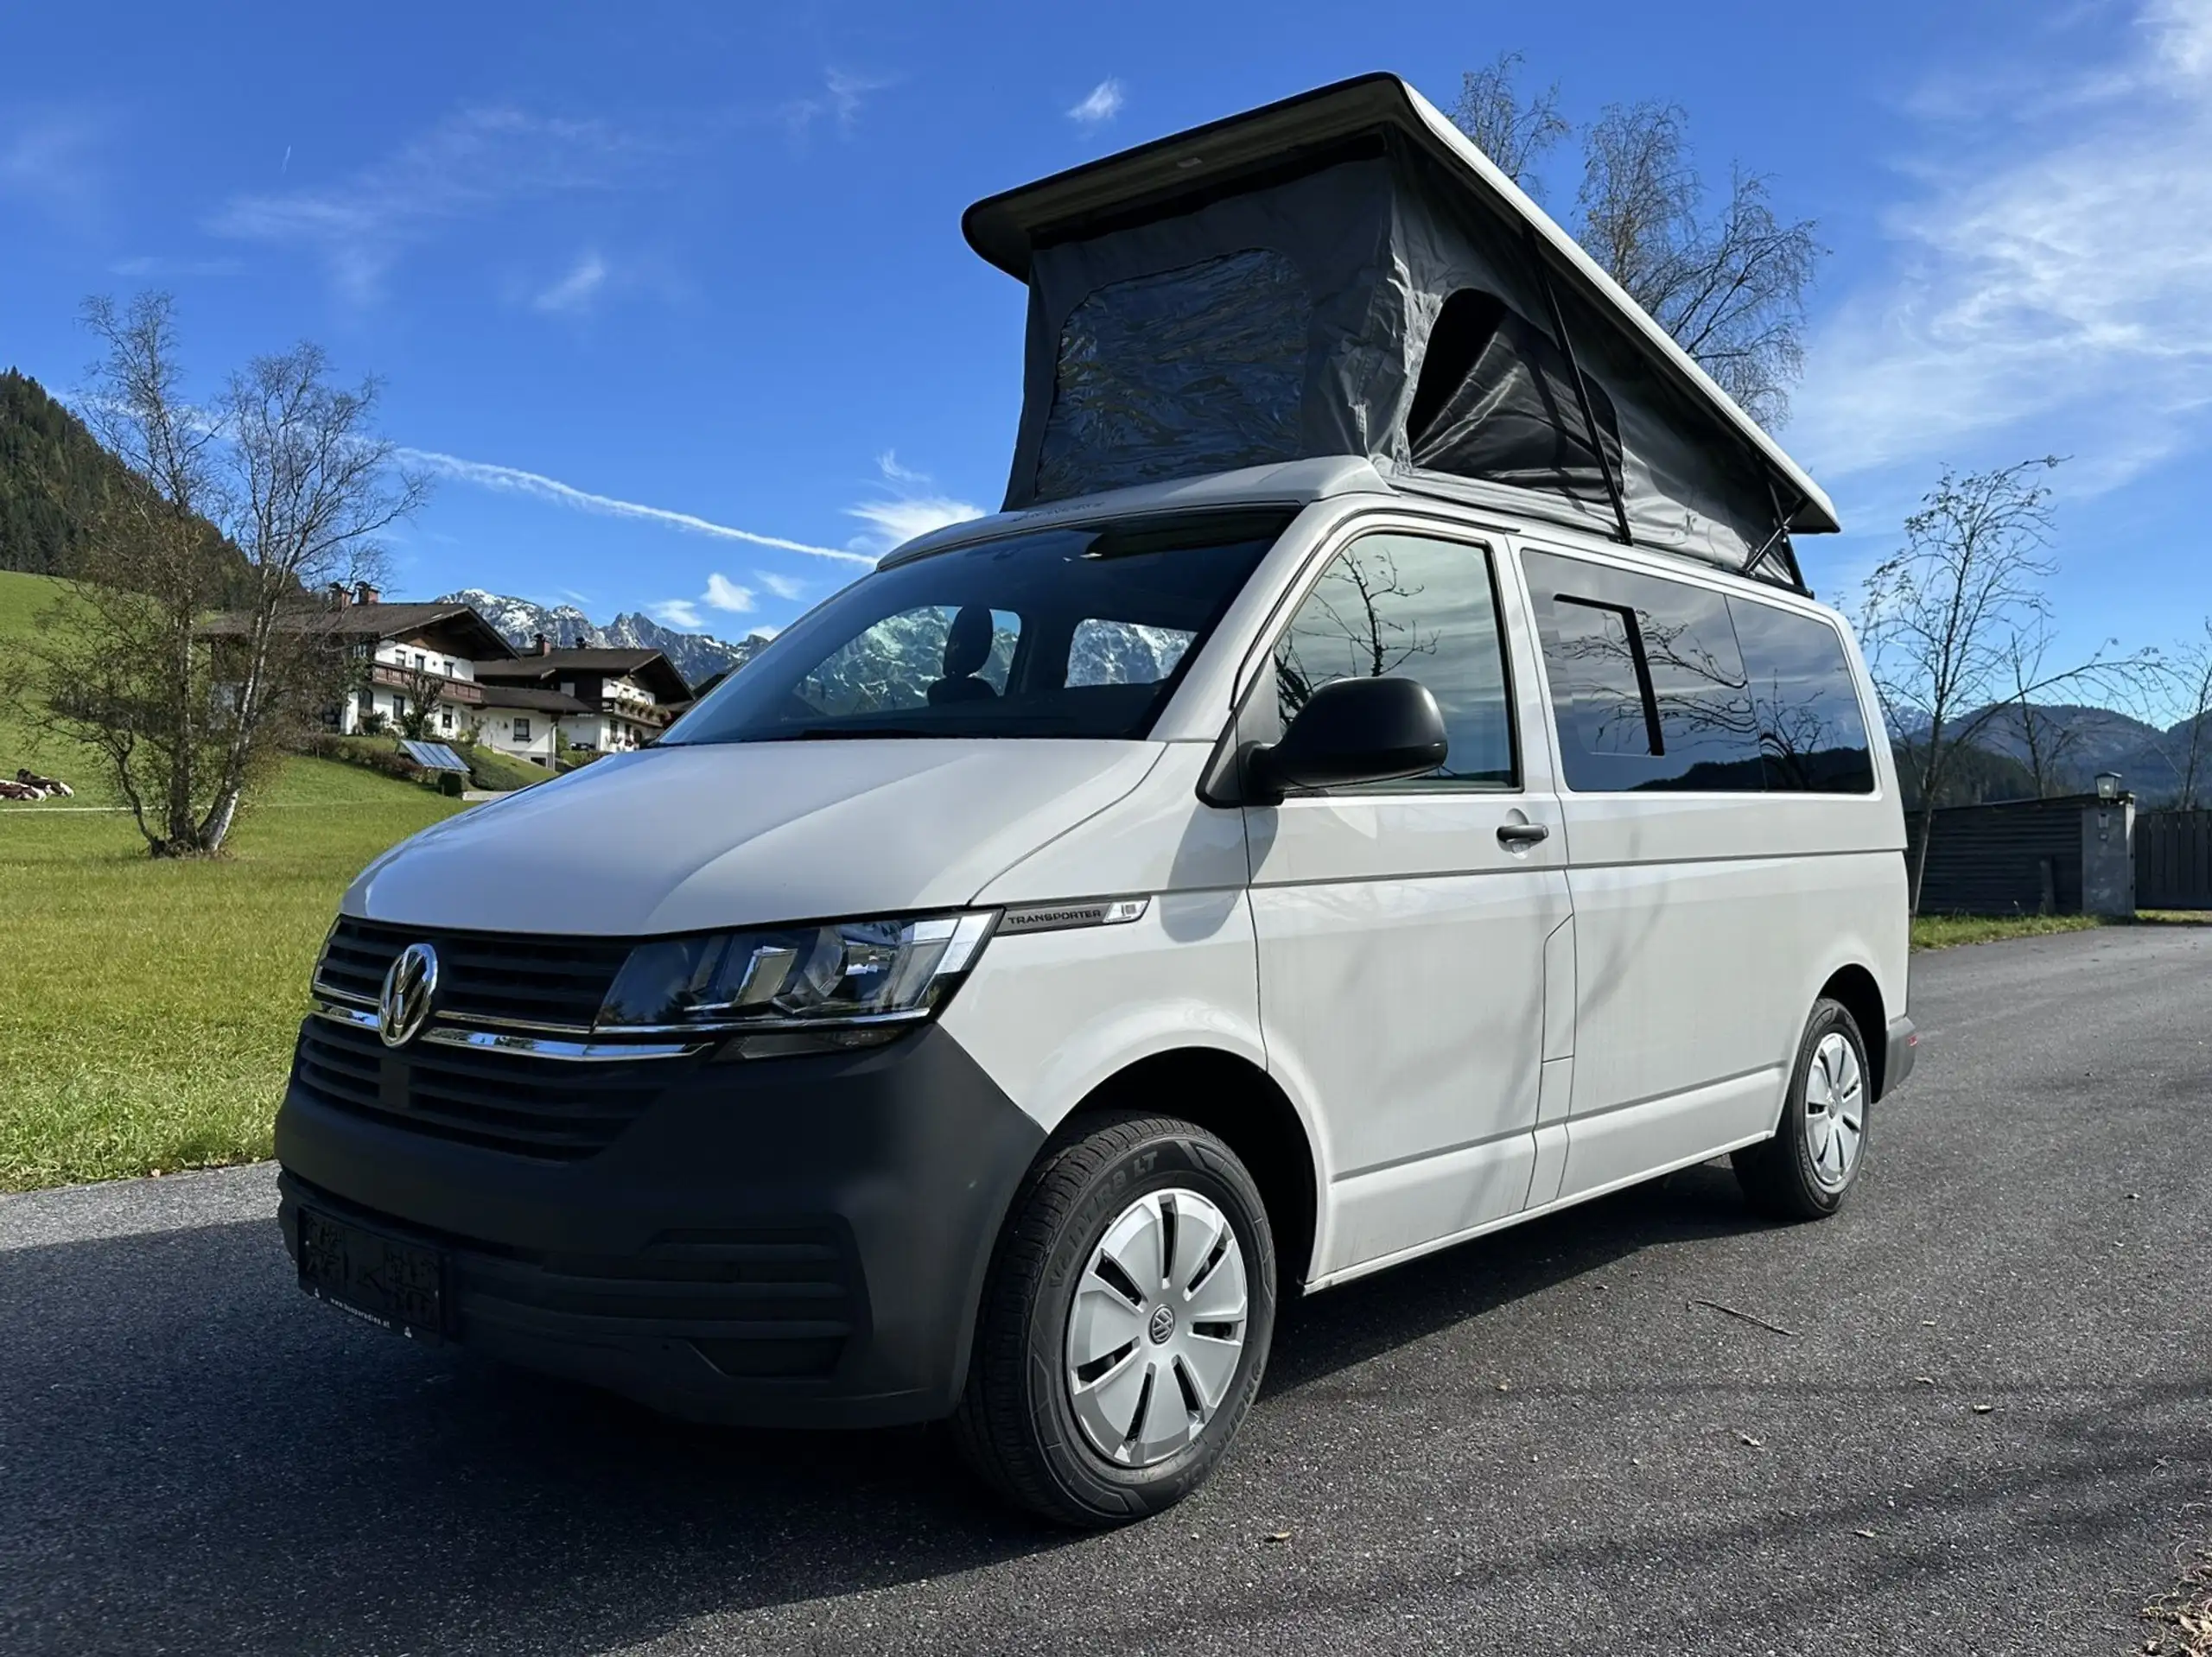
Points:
(687, 838)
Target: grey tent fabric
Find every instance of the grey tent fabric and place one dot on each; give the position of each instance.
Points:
(1199, 369)
(1496, 400)
(1355, 302)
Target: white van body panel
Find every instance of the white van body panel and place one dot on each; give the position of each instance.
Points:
(1051, 1015)
(1706, 925)
(687, 839)
(1468, 1036)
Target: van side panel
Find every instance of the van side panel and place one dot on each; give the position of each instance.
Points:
(1050, 1015)
(1706, 922)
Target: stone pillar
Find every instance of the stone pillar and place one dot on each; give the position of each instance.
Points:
(2108, 857)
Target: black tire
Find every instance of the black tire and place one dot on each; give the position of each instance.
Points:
(1016, 1424)
(1778, 1176)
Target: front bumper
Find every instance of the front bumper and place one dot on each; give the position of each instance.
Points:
(790, 1242)
(1904, 1045)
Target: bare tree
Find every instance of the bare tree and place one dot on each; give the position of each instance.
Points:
(188, 707)
(2187, 744)
(1513, 134)
(2046, 741)
(1730, 285)
(1942, 615)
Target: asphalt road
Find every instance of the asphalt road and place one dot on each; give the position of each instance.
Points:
(1537, 1442)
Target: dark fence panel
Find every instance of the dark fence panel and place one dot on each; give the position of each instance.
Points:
(2173, 859)
(2023, 857)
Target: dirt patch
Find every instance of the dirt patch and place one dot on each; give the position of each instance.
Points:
(2180, 1624)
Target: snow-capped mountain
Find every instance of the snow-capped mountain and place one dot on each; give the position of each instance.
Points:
(697, 657)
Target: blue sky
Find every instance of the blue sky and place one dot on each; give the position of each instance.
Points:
(668, 294)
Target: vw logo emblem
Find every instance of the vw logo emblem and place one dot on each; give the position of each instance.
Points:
(1163, 1325)
(409, 985)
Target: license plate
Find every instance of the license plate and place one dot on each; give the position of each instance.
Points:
(396, 1286)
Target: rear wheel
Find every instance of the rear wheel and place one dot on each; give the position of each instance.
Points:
(1807, 1168)
(1125, 1324)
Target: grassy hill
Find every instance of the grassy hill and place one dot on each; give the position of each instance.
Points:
(148, 1010)
(26, 599)
(55, 478)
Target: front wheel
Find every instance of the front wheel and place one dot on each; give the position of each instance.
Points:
(1125, 1322)
(1809, 1166)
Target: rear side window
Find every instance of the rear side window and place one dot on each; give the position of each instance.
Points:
(1649, 687)
(1812, 729)
(1660, 684)
(1406, 606)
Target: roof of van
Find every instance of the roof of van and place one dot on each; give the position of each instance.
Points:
(1288, 483)
(1007, 229)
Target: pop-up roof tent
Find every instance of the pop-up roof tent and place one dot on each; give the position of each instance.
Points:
(1343, 273)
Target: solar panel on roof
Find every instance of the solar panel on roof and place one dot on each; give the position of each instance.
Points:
(435, 756)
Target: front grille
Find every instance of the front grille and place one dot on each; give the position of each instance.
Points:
(482, 977)
(548, 1109)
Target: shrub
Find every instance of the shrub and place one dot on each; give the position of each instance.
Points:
(452, 784)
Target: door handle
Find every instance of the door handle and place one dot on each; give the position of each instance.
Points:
(1512, 836)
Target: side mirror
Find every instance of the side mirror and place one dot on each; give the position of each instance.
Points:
(1353, 731)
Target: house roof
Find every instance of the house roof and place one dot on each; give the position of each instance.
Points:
(378, 622)
(1169, 173)
(650, 668)
(498, 695)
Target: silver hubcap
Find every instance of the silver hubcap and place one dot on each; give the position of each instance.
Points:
(1157, 1327)
(1836, 1111)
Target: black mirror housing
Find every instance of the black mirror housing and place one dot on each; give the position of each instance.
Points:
(1352, 731)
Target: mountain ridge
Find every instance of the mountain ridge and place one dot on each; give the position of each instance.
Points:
(698, 657)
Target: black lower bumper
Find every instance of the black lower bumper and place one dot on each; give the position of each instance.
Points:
(794, 1242)
(1902, 1047)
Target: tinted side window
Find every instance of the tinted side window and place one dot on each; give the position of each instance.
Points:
(1812, 731)
(1404, 604)
(1647, 681)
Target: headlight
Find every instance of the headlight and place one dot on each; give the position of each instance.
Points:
(861, 980)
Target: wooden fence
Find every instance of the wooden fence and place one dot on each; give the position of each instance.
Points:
(2173, 859)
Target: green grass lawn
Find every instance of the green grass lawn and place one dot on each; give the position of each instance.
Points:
(487, 767)
(1943, 931)
(148, 1010)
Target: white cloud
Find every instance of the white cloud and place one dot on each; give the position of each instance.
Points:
(896, 522)
(676, 612)
(470, 164)
(2052, 283)
(575, 292)
(787, 588)
(887, 464)
(1101, 105)
(514, 480)
(842, 93)
(52, 160)
(158, 265)
(726, 594)
(912, 509)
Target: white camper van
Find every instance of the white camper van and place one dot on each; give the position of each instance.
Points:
(1381, 779)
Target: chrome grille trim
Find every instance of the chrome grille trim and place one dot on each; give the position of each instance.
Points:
(500, 1041)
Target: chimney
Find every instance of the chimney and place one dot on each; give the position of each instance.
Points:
(340, 598)
(365, 593)
(544, 646)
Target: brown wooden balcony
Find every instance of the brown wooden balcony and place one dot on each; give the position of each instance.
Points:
(464, 692)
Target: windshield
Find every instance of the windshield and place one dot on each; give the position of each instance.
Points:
(1075, 632)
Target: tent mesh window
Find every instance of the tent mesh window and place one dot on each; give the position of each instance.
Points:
(1194, 370)
(1495, 401)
